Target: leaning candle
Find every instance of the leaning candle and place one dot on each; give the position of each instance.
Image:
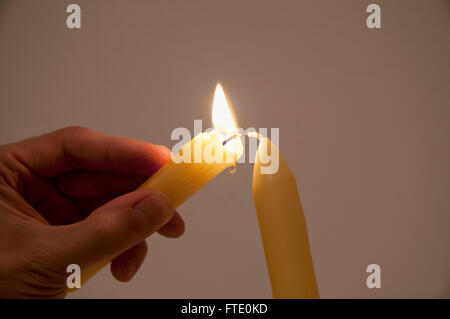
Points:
(197, 163)
(283, 228)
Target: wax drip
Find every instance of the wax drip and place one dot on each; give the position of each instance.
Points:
(232, 169)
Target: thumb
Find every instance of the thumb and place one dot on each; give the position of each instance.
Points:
(117, 226)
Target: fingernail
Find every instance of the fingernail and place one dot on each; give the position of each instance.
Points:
(153, 212)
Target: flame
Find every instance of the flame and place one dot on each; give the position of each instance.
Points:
(222, 114)
(225, 123)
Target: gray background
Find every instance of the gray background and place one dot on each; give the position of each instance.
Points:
(363, 117)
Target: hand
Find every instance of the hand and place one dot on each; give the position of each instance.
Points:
(50, 184)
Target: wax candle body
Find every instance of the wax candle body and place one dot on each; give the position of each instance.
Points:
(283, 229)
(180, 180)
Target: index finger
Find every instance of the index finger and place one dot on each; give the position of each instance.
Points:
(72, 148)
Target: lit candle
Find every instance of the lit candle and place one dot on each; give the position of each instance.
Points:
(198, 162)
(283, 228)
(180, 180)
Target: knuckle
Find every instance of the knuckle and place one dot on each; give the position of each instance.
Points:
(115, 228)
(106, 231)
(75, 130)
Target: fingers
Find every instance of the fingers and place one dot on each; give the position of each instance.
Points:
(52, 205)
(90, 204)
(174, 228)
(55, 153)
(58, 209)
(114, 228)
(83, 184)
(125, 266)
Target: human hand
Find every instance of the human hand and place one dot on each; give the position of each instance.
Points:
(50, 184)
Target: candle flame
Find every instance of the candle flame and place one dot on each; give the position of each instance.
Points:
(222, 114)
(225, 123)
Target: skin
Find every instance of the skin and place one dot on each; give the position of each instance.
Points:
(68, 197)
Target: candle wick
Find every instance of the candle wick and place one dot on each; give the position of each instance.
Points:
(249, 134)
(232, 137)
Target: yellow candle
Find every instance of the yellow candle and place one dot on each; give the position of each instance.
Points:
(283, 228)
(187, 172)
(180, 180)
